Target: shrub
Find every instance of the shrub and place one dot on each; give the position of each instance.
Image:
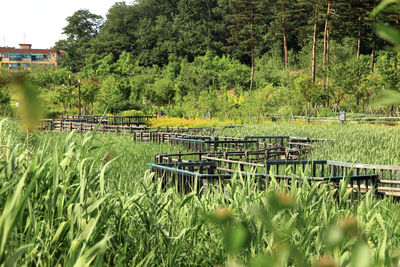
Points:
(132, 112)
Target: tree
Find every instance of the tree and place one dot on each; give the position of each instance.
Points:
(114, 94)
(306, 87)
(284, 36)
(82, 25)
(119, 32)
(243, 23)
(89, 91)
(311, 7)
(280, 25)
(325, 58)
(161, 92)
(81, 28)
(63, 94)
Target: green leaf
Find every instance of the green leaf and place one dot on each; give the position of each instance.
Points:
(388, 33)
(89, 256)
(187, 199)
(236, 238)
(361, 256)
(12, 261)
(383, 5)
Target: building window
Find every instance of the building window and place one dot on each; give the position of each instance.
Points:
(14, 65)
(4, 65)
(37, 57)
(15, 58)
(26, 65)
(19, 57)
(4, 55)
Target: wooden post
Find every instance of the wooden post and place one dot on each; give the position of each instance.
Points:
(398, 177)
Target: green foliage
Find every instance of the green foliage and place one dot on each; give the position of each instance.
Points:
(155, 55)
(5, 103)
(161, 92)
(113, 95)
(81, 28)
(132, 112)
(82, 25)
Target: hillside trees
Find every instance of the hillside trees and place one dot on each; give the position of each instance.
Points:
(174, 54)
(119, 32)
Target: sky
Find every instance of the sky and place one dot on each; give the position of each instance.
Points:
(40, 22)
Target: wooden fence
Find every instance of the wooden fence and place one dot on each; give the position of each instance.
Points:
(362, 177)
(194, 176)
(277, 156)
(109, 120)
(141, 133)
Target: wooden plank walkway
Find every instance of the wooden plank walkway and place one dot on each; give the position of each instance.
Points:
(278, 156)
(363, 177)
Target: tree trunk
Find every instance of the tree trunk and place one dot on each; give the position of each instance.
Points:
(209, 10)
(396, 53)
(328, 38)
(252, 48)
(285, 50)
(313, 66)
(326, 46)
(373, 44)
(373, 55)
(359, 30)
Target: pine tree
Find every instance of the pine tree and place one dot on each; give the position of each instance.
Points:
(243, 22)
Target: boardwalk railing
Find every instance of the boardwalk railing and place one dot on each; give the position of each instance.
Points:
(195, 176)
(363, 177)
(252, 156)
(215, 144)
(62, 126)
(276, 156)
(109, 120)
(141, 133)
(282, 140)
(387, 175)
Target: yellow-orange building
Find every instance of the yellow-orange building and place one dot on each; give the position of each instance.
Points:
(26, 57)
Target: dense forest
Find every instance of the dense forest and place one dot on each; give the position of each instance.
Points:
(223, 58)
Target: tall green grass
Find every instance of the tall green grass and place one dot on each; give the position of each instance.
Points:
(375, 144)
(80, 199)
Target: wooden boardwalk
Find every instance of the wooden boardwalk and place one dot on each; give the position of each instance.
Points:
(217, 158)
(264, 161)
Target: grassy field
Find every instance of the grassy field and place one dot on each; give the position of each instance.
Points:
(74, 200)
(375, 144)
